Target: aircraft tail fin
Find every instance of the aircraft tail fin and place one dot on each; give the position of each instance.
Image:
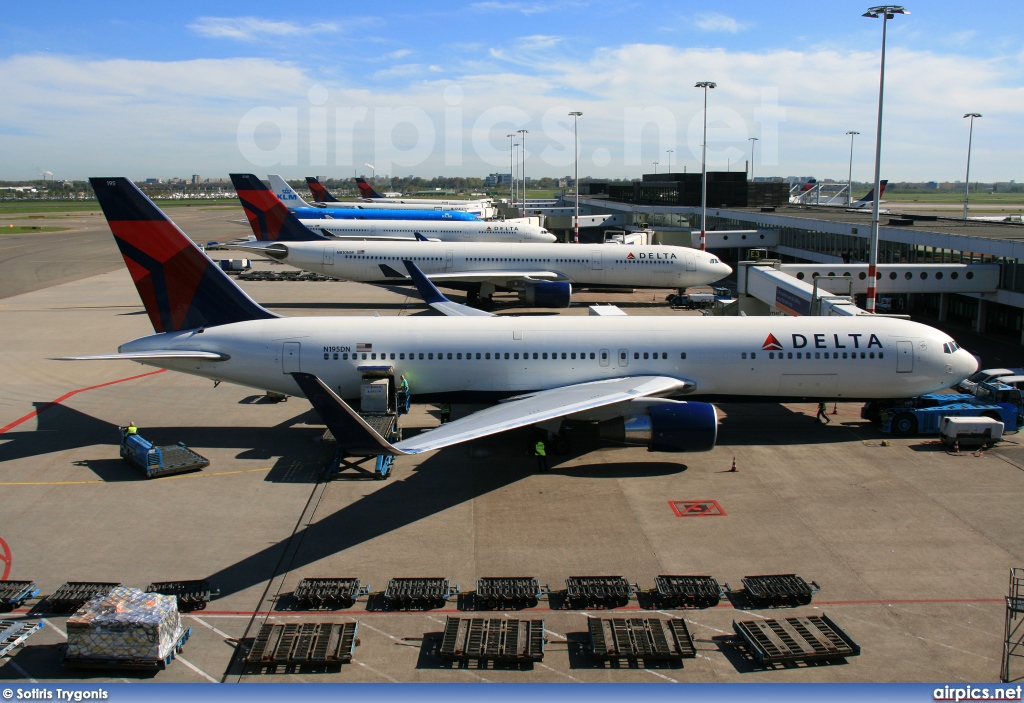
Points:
(180, 287)
(320, 193)
(366, 190)
(269, 218)
(285, 193)
(870, 197)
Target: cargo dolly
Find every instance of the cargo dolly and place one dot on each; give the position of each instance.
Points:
(309, 644)
(132, 664)
(328, 593)
(13, 633)
(14, 593)
(802, 639)
(640, 638)
(425, 593)
(778, 591)
(688, 591)
(191, 595)
(497, 593)
(499, 640)
(73, 595)
(380, 405)
(598, 591)
(156, 461)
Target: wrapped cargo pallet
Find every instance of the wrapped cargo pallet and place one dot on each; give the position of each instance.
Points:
(125, 624)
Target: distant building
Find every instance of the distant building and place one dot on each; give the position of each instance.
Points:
(195, 179)
(497, 179)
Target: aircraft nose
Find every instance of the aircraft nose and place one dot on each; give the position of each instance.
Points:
(968, 365)
(548, 237)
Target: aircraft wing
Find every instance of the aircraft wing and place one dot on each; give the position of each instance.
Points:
(351, 431)
(538, 407)
(155, 355)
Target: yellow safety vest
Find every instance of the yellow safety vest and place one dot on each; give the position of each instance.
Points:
(539, 449)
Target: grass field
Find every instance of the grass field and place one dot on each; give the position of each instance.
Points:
(58, 206)
(17, 229)
(1008, 199)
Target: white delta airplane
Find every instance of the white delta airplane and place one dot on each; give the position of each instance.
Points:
(289, 197)
(542, 274)
(266, 212)
(637, 376)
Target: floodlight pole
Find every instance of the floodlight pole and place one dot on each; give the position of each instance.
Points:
(970, 137)
(703, 168)
(576, 179)
(752, 140)
(522, 173)
(887, 12)
(669, 152)
(849, 180)
(511, 169)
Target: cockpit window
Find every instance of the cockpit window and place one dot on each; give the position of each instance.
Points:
(950, 347)
(714, 261)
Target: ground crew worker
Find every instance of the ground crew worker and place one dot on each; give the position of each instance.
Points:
(540, 451)
(823, 413)
(131, 429)
(446, 412)
(403, 385)
(403, 394)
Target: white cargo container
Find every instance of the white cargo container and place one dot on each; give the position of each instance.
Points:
(970, 431)
(374, 396)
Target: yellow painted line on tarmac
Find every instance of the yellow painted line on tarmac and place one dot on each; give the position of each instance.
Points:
(163, 478)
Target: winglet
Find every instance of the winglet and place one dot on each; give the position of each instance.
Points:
(436, 299)
(420, 237)
(352, 433)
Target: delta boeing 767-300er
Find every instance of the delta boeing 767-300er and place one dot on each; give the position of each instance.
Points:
(542, 274)
(639, 377)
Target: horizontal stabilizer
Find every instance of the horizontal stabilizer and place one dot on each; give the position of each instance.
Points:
(353, 435)
(148, 356)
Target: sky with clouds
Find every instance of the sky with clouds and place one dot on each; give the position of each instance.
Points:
(172, 89)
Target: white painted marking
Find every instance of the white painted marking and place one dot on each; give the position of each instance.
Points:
(208, 625)
(24, 674)
(196, 669)
(379, 673)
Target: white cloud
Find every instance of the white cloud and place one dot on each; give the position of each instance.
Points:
(526, 8)
(717, 22)
(250, 29)
(400, 54)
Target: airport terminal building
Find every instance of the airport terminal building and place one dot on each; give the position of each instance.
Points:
(759, 216)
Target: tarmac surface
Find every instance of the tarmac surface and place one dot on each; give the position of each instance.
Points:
(910, 544)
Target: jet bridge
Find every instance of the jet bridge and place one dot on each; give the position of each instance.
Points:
(769, 287)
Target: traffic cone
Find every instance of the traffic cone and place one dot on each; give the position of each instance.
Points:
(835, 408)
(956, 446)
(733, 469)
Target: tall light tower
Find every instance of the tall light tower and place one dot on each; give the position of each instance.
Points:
(970, 137)
(522, 172)
(886, 12)
(704, 168)
(752, 140)
(511, 168)
(576, 179)
(849, 181)
(655, 166)
(669, 152)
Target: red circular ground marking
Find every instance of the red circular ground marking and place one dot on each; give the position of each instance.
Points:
(5, 559)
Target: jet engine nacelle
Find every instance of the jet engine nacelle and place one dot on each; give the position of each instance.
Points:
(548, 294)
(666, 427)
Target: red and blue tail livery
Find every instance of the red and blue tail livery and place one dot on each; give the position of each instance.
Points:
(179, 285)
(366, 190)
(271, 221)
(320, 193)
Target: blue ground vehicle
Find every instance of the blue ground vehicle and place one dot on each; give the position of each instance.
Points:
(156, 461)
(921, 415)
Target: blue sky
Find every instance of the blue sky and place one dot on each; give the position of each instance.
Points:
(165, 89)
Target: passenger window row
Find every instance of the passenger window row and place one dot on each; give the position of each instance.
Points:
(485, 356)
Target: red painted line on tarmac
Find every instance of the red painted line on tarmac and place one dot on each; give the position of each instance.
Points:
(67, 395)
(6, 558)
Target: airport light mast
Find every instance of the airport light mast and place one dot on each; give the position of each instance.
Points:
(669, 152)
(522, 172)
(970, 137)
(752, 140)
(511, 168)
(849, 180)
(703, 168)
(886, 12)
(655, 166)
(576, 178)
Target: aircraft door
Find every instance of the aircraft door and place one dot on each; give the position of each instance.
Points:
(605, 357)
(691, 262)
(328, 256)
(904, 357)
(290, 357)
(596, 262)
(449, 260)
(623, 357)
